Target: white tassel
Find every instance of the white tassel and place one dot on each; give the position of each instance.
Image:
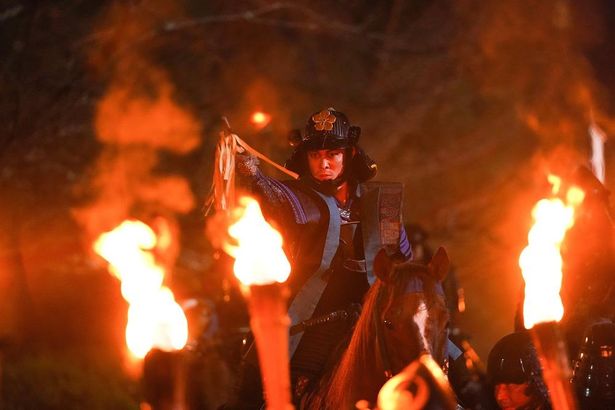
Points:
(224, 173)
(598, 138)
(222, 193)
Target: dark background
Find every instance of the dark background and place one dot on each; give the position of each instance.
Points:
(110, 110)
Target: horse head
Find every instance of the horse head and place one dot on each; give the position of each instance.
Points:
(411, 315)
(404, 316)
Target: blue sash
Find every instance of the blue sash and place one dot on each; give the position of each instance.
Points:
(380, 217)
(304, 303)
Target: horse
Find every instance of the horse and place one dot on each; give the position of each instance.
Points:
(404, 316)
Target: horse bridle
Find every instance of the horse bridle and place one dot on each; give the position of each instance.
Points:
(384, 351)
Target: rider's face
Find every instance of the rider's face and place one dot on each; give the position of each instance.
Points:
(511, 396)
(326, 164)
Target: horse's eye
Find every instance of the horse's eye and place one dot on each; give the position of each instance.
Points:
(388, 324)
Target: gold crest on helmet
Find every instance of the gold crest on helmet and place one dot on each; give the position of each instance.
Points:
(323, 121)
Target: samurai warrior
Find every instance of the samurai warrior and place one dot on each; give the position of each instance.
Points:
(514, 371)
(333, 221)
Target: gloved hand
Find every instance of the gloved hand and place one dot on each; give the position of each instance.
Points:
(246, 164)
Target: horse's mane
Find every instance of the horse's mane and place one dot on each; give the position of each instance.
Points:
(346, 377)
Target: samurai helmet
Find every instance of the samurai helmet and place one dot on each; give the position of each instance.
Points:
(331, 129)
(594, 368)
(513, 359)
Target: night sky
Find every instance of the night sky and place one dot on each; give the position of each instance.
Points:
(111, 110)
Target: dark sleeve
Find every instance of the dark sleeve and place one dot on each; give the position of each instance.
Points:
(276, 198)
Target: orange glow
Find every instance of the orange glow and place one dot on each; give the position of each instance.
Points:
(556, 183)
(154, 317)
(541, 260)
(260, 119)
(259, 258)
(125, 117)
(575, 196)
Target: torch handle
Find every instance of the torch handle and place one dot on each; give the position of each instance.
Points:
(270, 323)
(555, 365)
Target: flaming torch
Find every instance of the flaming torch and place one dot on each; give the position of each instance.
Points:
(154, 317)
(261, 266)
(541, 265)
(155, 320)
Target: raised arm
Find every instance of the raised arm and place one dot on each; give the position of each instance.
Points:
(276, 198)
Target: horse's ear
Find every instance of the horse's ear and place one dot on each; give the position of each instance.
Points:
(383, 265)
(439, 264)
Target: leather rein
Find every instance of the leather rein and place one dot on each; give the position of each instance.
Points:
(384, 351)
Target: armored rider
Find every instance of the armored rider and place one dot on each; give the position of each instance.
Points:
(333, 222)
(514, 371)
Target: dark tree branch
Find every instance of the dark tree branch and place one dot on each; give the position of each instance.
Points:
(13, 133)
(314, 22)
(11, 12)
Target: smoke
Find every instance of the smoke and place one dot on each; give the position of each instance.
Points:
(136, 119)
(536, 89)
(531, 57)
(126, 118)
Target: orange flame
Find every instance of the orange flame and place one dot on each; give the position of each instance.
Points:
(154, 317)
(259, 258)
(541, 260)
(260, 119)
